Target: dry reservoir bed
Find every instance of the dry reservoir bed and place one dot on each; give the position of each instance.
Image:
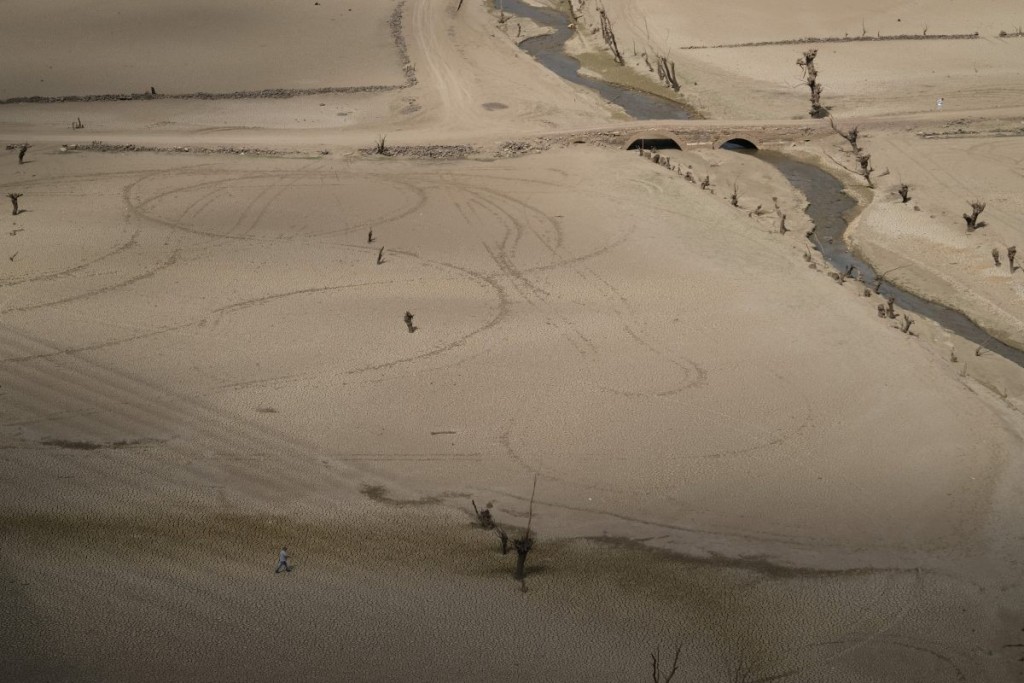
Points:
(210, 344)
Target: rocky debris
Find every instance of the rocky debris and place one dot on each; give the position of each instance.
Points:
(274, 93)
(841, 39)
(514, 148)
(423, 151)
(403, 51)
(97, 146)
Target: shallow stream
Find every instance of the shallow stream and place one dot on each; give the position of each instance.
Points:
(549, 51)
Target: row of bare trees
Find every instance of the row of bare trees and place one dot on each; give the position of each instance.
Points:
(663, 66)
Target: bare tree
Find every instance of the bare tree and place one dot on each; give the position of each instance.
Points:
(482, 516)
(504, 539)
(811, 79)
(972, 220)
(864, 162)
(380, 256)
(907, 322)
(609, 36)
(14, 202)
(863, 167)
(1011, 256)
(734, 199)
(667, 72)
(524, 544)
(890, 307)
(904, 192)
(851, 135)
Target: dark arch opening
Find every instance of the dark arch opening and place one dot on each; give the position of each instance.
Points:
(738, 143)
(654, 143)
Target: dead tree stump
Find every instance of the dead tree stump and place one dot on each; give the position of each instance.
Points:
(972, 220)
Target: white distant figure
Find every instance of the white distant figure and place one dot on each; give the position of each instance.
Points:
(938, 104)
(282, 561)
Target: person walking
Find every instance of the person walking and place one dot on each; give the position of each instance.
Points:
(282, 561)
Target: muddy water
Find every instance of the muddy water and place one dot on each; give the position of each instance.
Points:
(828, 208)
(549, 51)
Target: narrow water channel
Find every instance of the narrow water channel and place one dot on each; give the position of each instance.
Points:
(549, 51)
(828, 206)
(828, 203)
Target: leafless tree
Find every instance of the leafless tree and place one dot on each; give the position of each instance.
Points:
(811, 79)
(482, 516)
(380, 256)
(972, 219)
(13, 196)
(609, 36)
(851, 135)
(864, 162)
(1011, 256)
(907, 322)
(524, 544)
(667, 72)
(503, 537)
(904, 192)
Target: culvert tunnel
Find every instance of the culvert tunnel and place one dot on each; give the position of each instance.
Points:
(654, 142)
(738, 144)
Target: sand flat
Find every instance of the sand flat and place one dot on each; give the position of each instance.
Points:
(65, 48)
(201, 360)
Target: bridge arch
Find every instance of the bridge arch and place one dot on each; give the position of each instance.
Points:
(737, 143)
(654, 139)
